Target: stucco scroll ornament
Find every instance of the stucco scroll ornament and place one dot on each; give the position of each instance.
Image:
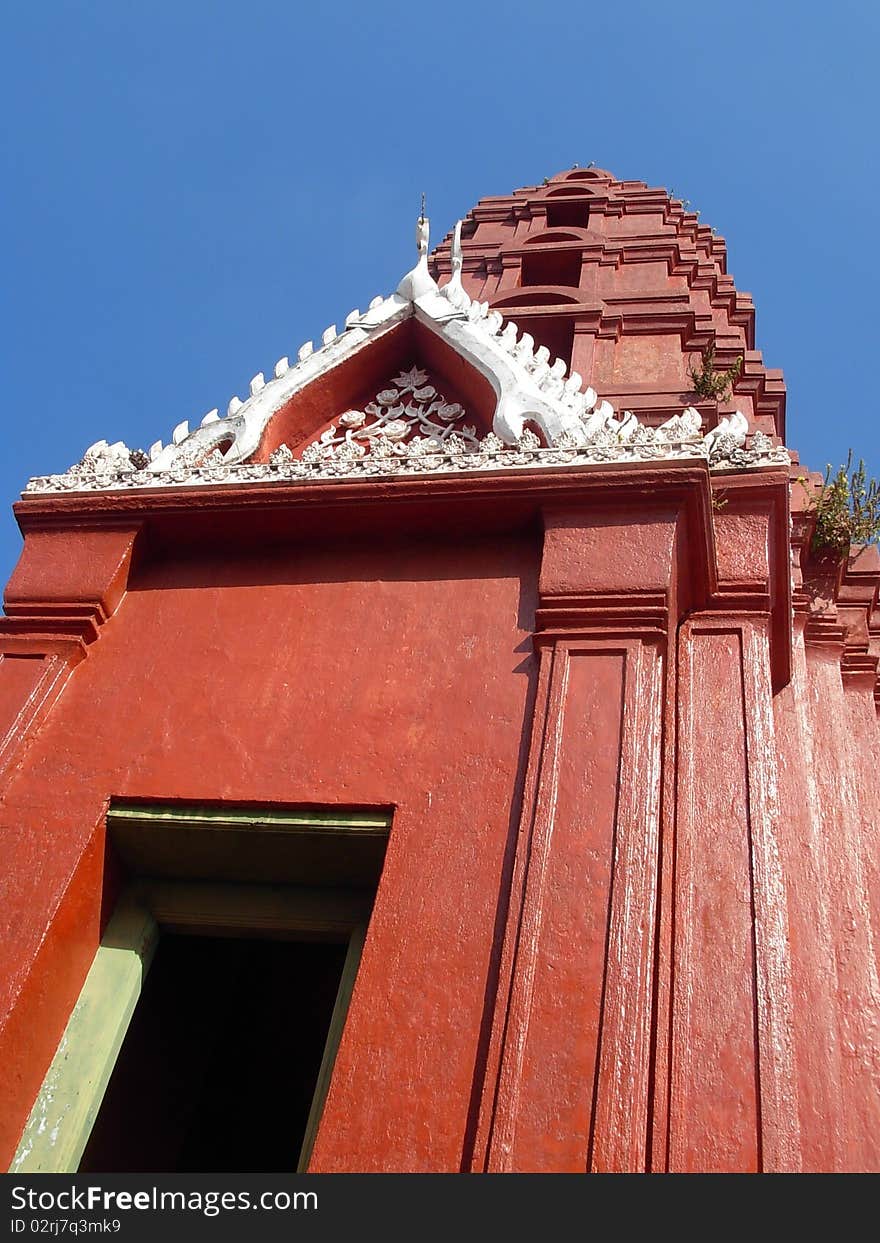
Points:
(393, 452)
(408, 418)
(102, 458)
(356, 446)
(102, 463)
(729, 435)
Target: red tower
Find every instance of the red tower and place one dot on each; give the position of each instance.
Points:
(474, 684)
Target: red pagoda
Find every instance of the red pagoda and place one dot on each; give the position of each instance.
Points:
(455, 756)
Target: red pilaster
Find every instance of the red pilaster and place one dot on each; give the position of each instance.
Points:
(573, 1039)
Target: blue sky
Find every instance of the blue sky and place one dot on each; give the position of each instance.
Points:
(193, 189)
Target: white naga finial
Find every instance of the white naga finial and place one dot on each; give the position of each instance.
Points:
(453, 288)
(419, 281)
(423, 231)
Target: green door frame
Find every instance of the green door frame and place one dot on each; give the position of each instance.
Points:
(64, 1112)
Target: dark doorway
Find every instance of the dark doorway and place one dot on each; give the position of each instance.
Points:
(219, 1064)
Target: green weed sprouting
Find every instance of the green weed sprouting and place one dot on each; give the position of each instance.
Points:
(847, 509)
(712, 384)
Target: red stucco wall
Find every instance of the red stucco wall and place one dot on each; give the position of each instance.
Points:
(629, 914)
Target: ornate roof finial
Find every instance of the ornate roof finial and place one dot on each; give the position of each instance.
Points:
(423, 230)
(453, 288)
(419, 281)
(456, 249)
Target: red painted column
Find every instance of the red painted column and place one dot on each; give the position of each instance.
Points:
(732, 1085)
(65, 587)
(857, 609)
(573, 1035)
(510, 273)
(583, 349)
(804, 855)
(865, 752)
(848, 896)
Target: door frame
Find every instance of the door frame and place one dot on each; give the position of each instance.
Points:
(67, 1105)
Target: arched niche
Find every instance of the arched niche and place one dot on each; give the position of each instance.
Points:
(567, 207)
(551, 267)
(548, 236)
(538, 295)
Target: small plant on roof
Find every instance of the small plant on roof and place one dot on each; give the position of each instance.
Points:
(712, 384)
(847, 509)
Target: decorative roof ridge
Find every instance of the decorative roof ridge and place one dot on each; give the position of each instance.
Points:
(529, 388)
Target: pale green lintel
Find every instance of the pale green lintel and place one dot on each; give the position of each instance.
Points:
(212, 815)
(64, 1112)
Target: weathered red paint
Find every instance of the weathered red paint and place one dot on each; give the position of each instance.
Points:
(629, 914)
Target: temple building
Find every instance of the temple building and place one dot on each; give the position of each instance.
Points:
(456, 756)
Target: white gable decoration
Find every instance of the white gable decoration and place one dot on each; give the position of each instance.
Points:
(577, 428)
